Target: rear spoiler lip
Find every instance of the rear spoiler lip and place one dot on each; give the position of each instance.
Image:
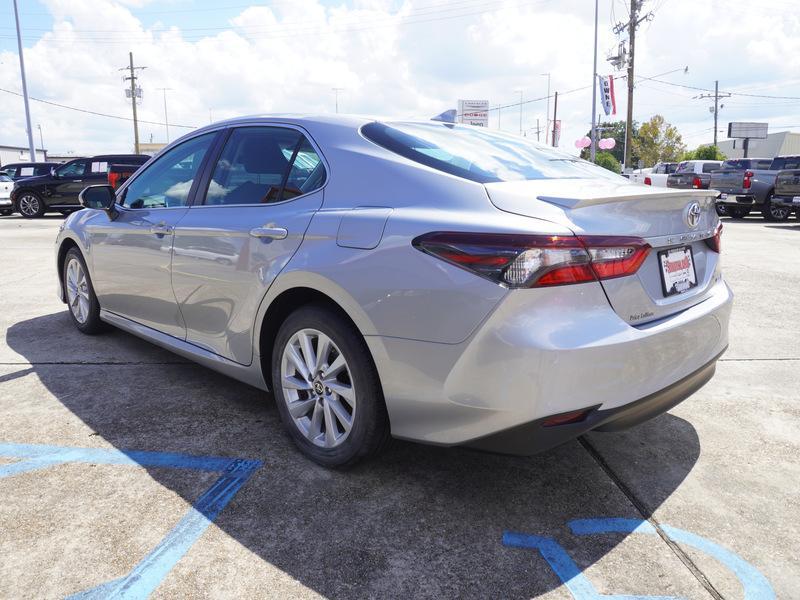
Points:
(566, 202)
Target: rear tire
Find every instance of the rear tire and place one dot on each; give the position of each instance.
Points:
(84, 309)
(722, 210)
(327, 388)
(30, 205)
(773, 212)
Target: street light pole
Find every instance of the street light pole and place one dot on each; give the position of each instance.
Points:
(31, 147)
(547, 118)
(336, 91)
(166, 116)
(593, 151)
(41, 138)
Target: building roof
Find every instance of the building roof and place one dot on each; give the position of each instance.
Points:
(776, 144)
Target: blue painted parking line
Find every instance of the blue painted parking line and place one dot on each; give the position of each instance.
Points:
(151, 570)
(754, 584)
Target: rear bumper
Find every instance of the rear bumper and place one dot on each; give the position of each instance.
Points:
(531, 438)
(545, 352)
(735, 199)
(787, 201)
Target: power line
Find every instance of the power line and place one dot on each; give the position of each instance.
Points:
(699, 89)
(92, 112)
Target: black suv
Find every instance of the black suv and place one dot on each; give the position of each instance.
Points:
(59, 189)
(22, 170)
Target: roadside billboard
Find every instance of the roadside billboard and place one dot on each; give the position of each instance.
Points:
(474, 112)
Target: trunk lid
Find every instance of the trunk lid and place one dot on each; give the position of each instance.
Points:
(657, 215)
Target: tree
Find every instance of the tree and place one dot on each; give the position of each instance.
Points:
(607, 160)
(612, 129)
(658, 141)
(708, 152)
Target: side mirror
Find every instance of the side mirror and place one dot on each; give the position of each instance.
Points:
(100, 197)
(53, 173)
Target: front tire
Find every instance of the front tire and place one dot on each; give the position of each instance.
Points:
(722, 210)
(327, 388)
(30, 205)
(79, 292)
(774, 213)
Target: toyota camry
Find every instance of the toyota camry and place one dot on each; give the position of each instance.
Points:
(420, 280)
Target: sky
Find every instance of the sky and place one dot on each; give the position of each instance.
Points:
(399, 58)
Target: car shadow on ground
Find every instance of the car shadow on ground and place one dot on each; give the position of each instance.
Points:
(418, 521)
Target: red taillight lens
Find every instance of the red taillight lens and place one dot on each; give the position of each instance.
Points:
(715, 242)
(520, 261)
(648, 181)
(566, 418)
(113, 180)
(696, 183)
(748, 175)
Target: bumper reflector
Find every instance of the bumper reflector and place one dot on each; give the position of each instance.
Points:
(575, 416)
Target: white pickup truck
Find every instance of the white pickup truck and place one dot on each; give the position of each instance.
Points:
(657, 176)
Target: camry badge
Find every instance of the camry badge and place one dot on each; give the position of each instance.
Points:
(692, 214)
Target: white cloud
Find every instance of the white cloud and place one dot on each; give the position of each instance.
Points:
(411, 60)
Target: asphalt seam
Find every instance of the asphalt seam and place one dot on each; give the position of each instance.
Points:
(648, 516)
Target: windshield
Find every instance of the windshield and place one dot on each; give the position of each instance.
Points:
(480, 155)
(4, 177)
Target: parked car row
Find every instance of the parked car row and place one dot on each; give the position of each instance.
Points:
(745, 187)
(38, 188)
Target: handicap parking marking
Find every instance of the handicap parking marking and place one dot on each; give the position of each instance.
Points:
(151, 570)
(754, 584)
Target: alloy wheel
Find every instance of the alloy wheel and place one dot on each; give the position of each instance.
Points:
(77, 290)
(29, 205)
(779, 213)
(318, 388)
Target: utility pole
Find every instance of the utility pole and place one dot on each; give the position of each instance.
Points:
(593, 148)
(132, 78)
(31, 147)
(547, 118)
(555, 117)
(633, 23)
(520, 111)
(166, 117)
(717, 106)
(336, 92)
(538, 129)
(41, 138)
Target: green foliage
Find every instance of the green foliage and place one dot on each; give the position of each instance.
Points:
(607, 160)
(658, 141)
(612, 129)
(708, 152)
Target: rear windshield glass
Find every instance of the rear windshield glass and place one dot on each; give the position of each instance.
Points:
(779, 163)
(480, 155)
(685, 167)
(710, 167)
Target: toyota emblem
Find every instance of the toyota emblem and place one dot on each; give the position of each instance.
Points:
(692, 214)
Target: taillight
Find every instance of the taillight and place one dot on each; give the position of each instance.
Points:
(648, 181)
(748, 175)
(113, 180)
(523, 261)
(696, 183)
(715, 242)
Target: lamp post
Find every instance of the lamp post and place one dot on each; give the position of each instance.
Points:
(593, 151)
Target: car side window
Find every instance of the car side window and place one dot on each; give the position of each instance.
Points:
(710, 167)
(261, 165)
(73, 169)
(168, 181)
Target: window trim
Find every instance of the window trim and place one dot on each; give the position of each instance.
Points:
(120, 195)
(198, 201)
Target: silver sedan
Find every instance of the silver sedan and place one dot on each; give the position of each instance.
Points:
(419, 280)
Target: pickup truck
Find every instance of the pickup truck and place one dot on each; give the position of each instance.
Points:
(787, 191)
(693, 174)
(657, 177)
(744, 190)
(58, 191)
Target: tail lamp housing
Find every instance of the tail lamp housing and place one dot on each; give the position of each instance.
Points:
(696, 183)
(525, 261)
(715, 241)
(648, 181)
(747, 182)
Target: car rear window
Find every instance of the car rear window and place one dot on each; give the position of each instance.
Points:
(779, 163)
(711, 167)
(478, 154)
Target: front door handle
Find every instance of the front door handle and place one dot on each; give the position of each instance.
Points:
(275, 233)
(161, 229)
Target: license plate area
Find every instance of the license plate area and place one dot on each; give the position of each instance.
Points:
(678, 275)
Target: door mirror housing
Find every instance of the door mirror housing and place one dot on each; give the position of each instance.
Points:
(53, 173)
(100, 197)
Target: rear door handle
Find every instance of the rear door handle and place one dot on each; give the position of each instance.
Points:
(275, 233)
(161, 229)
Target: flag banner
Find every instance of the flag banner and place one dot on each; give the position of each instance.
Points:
(607, 100)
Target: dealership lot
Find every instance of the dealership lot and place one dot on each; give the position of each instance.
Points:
(718, 477)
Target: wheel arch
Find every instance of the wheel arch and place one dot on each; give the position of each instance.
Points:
(64, 246)
(282, 299)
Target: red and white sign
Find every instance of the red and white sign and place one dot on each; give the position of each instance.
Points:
(607, 99)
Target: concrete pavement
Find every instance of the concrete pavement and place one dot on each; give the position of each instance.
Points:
(723, 467)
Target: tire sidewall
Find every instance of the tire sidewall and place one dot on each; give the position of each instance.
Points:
(93, 324)
(768, 211)
(369, 399)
